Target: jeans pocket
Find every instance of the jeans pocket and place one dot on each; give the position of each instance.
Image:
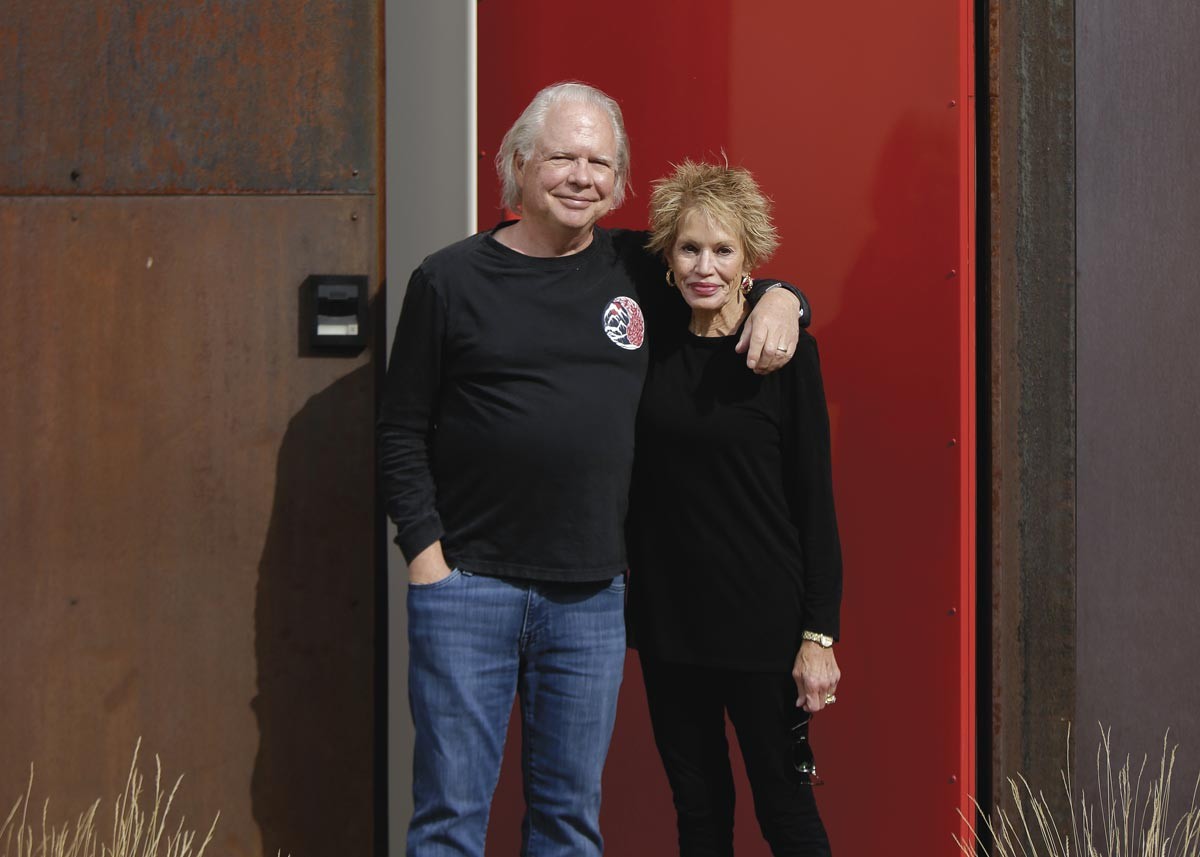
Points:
(437, 584)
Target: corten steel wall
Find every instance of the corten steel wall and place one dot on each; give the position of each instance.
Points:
(187, 519)
(1139, 310)
(858, 121)
(1031, 407)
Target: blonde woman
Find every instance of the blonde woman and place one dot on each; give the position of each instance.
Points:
(735, 583)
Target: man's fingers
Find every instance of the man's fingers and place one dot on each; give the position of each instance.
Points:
(769, 352)
(757, 357)
(771, 355)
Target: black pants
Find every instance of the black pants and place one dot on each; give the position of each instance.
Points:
(687, 711)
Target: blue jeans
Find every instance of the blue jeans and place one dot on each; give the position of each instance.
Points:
(475, 642)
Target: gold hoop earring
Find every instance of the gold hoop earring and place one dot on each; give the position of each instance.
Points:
(747, 284)
(671, 279)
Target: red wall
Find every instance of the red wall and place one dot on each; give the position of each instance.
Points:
(856, 118)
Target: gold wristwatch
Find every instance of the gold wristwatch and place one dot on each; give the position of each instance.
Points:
(823, 640)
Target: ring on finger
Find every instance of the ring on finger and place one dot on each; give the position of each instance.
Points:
(830, 699)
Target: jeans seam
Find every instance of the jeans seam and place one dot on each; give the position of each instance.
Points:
(523, 639)
(527, 782)
(529, 715)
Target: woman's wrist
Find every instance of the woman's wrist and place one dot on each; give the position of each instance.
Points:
(823, 640)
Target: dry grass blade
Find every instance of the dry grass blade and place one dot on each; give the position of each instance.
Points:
(134, 833)
(1134, 816)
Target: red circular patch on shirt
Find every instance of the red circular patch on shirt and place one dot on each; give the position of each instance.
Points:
(624, 323)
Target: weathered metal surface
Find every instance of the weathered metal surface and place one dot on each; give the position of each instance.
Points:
(195, 95)
(1033, 390)
(187, 518)
(1139, 310)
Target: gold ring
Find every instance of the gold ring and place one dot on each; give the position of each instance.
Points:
(830, 699)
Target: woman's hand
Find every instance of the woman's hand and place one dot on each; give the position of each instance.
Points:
(771, 332)
(816, 674)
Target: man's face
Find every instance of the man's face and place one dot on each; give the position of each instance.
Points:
(567, 183)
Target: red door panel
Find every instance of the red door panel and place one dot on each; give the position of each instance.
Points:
(856, 119)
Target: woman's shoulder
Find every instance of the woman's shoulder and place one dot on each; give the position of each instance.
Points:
(807, 350)
(803, 371)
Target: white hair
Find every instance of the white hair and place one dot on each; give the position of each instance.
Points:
(523, 135)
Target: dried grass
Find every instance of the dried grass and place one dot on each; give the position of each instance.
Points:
(1129, 818)
(134, 833)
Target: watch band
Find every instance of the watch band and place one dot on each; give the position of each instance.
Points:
(823, 640)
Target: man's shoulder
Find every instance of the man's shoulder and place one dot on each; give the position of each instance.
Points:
(644, 269)
(455, 254)
(629, 247)
(627, 242)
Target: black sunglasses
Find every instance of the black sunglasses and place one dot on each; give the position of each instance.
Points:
(802, 754)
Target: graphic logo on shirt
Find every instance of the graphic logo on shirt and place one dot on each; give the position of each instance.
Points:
(624, 323)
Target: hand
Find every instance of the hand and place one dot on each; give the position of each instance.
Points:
(771, 332)
(429, 566)
(816, 675)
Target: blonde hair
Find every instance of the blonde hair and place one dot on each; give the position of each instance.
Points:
(729, 195)
(522, 137)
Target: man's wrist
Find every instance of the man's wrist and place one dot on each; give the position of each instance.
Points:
(762, 287)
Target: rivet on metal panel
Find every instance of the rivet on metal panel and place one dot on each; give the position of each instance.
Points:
(74, 217)
(482, 154)
(75, 174)
(953, 779)
(354, 173)
(953, 104)
(354, 215)
(953, 273)
(953, 442)
(953, 611)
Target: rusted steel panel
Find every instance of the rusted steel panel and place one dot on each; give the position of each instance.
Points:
(188, 96)
(187, 515)
(1032, 331)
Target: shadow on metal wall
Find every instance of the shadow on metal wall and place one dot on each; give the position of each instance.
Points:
(313, 787)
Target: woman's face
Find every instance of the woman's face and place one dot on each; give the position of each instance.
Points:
(707, 260)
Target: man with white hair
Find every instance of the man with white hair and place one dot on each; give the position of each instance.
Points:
(505, 450)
